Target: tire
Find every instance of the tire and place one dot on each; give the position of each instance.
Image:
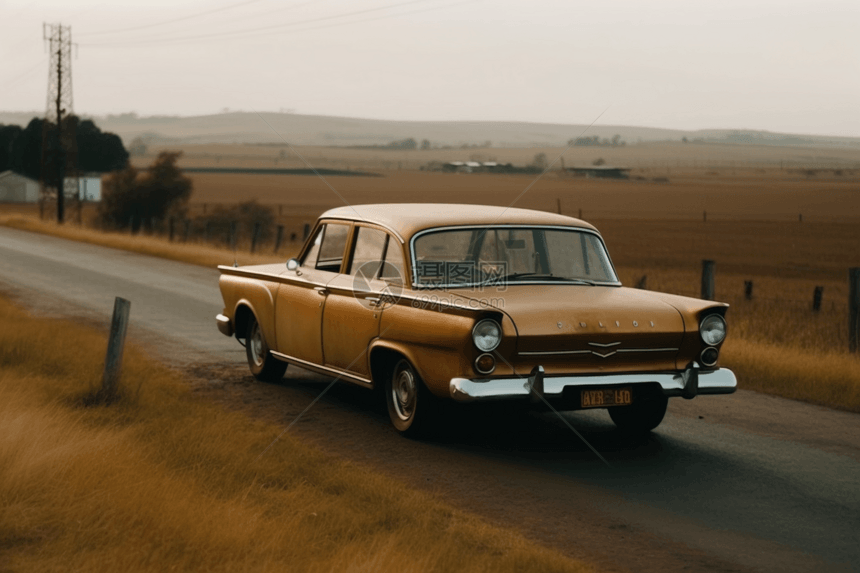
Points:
(411, 406)
(643, 415)
(264, 366)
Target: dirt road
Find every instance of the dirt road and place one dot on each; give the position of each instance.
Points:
(738, 483)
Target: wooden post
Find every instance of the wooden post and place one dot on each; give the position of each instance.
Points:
(116, 345)
(187, 230)
(748, 290)
(293, 237)
(558, 205)
(255, 235)
(708, 280)
(170, 229)
(853, 308)
(278, 238)
(800, 218)
(642, 283)
(817, 295)
(306, 231)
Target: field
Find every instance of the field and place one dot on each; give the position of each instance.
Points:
(165, 477)
(786, 230)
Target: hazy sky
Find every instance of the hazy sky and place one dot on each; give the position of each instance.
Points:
(775, 65)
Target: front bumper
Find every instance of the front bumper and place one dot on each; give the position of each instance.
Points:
(688, 383)
(224, 325)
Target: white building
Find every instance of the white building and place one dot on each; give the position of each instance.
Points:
(15, 188)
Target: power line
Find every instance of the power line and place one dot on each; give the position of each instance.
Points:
(172, 20)
(256, 31)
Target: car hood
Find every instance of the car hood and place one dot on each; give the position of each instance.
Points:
(602, 319)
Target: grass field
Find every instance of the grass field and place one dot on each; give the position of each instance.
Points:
(163, 480)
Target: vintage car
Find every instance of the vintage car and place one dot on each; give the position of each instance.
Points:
(431, 302)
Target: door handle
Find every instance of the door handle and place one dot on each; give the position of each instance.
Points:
(321, 290)
(373, 301)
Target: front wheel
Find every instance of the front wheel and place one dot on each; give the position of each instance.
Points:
(410, 404)
(263, 365)
(643, 415)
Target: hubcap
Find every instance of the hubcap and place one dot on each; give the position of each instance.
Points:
(256, 342)
(403, 393)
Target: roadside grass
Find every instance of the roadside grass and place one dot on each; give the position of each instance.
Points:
(797, 354)
(826, 378)
(195, 253)
(165, 480)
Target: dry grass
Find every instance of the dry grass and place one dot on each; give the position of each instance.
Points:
(163, 480)
(194, 253)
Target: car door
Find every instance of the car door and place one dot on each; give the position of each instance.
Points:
(301, 298)
(356, 300)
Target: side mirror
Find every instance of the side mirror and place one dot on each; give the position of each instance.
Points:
(292, 264)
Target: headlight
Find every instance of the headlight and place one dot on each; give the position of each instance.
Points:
(487, 335)
(713, 329)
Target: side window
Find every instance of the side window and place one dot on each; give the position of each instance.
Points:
(369, 247)
(393, 265)
(329, 244)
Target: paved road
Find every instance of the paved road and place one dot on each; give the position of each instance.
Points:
(745, 482)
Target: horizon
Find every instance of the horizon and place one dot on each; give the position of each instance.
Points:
(780, 68)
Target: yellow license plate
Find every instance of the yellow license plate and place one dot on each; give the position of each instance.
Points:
(607, 397)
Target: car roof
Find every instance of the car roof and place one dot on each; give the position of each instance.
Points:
(408, 218)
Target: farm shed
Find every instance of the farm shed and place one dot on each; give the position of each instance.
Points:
(16, 188)
(600, 171)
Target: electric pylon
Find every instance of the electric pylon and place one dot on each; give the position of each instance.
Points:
(59, 148)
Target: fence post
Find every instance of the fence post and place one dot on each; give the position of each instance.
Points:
(254, 237)
(800, 218)
(817, 294)
(116, 345)
(170, 229)
(708, 280)
(278, 237)
(853, 308)
(748, 290)
(306, 231)
(187, 230)
(642, 283)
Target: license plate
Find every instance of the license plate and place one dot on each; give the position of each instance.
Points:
(607, 397)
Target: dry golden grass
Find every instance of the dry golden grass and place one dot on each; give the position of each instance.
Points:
(165, 481)
(194, 253)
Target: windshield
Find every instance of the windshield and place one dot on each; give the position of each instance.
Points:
(508, 255)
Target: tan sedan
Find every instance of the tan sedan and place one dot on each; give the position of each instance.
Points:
(470, 303)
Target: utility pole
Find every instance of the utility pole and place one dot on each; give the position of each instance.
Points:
(59, 148)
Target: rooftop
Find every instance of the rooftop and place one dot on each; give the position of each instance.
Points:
(409, 218)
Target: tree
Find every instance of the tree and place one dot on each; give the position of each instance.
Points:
(131, 199)
(425, 144)
(97, 150)
(540, 161)
(21, 149)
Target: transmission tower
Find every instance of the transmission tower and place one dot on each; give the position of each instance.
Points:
(59, 147)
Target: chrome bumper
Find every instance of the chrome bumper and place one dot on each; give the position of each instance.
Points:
(224, 325)
(688, 384)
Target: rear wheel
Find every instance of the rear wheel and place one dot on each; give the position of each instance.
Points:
(410, 405)
(643, 415)
(263, 365)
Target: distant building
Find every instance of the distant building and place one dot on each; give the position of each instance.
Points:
(600, 172)
(90, 187)
(16, 188)
(472, 166)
